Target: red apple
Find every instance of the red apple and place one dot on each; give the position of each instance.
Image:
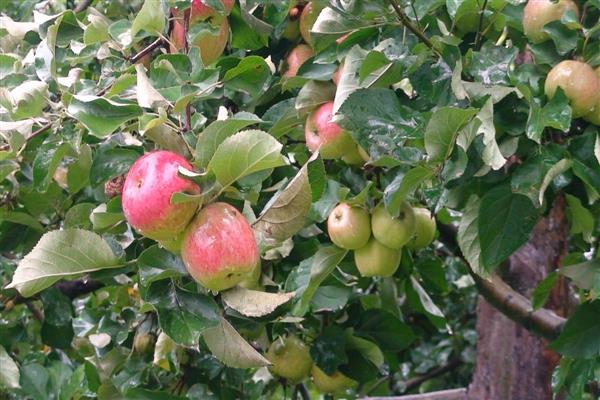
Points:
(296, 58)
(147, 192)
(326, 136)
(309, 15)
(349, 227)
(211, 41)
(579, 82)
(219, 249)
(538, 13)
(201, 11)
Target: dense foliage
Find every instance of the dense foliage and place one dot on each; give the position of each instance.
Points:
(449, 103)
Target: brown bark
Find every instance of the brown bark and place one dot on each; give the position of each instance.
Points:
(512, 363)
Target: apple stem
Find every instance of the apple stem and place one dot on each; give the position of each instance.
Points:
(147, 50)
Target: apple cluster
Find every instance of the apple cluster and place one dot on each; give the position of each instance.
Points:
(207, 29)
(290, 359)
(580, 83)
(217, 243)
(377, 238)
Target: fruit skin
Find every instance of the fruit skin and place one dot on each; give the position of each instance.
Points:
(219, 249)
(252, 281)
(425, 228)
(327, 136)
(309, 15)
(393, 232)
(594, 115)
(334, 383)
(579, 82)
(296, 58)
(211, 40)
(337, 75)
(290, 358)
(357, 156)
(147, 192)
(292, 30)
(375, 259)
(201, 11)
(538, 13)
(349, 227)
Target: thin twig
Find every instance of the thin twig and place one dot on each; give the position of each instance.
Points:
(147, 50)
(412, 6)
(37, 314)
(479, 33)
(188, 108)
(407, 23)
(415, 382)
(35, 133)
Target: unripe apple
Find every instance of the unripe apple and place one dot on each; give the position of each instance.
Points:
(219, 249)
(349, 227)
(424, 229)
(290, 358)
(579, 82)
(376, 259)
(390, 231)
(594, 115)
(200, 11)
(211, 41)
(334, 383)
(147, 192)
(538, 13)
(252, 281)
(292, 29)
(325, 135)
(296, 58)
(356, 156)
(307, 20)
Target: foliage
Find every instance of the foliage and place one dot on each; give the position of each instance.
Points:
(462, 127)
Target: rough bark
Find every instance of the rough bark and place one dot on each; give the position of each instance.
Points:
(512, 363)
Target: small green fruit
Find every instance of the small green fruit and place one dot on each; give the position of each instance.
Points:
(349, 227)
(334, 383)
(375, 259)
(290, 358)
(390, 231)
(424, 229)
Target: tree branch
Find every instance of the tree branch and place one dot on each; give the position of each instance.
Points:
(37, 314)
(35, 133)
(415, 382)
(71, 289)
(147, 50)
(479, 33)
(515, 306)
(408, 24)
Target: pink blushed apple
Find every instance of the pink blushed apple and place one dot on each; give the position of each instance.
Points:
(322, 134)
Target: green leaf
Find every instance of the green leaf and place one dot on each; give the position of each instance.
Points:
(320, 266)
(156, 263)
(402, 185)
(225, 343)
(585, 275)
(468, 235)
(312, 94)
(111, 163)
(34, 381)
(580, 336)
(564, 39)
(182, 315)
(215, 133)
(582, 220)
(244, 153)
(505, 221)
(442, 129)
(328, 350)
(250, 76)
(368, 349)
(420, 301)
(60, 255)
(542, 291)
(151, 19)
(20, 218)
(9, 373)
(385, 329)
(253, 303)
(557, 169)
(101, 116)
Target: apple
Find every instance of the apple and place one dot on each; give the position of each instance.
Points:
(147, 192)
(334, 383)
(425, 228)
(211, 40)
(326, 136)
(390, 231)
(376, 259)
(349, 227)
(252, 281)
(337, 75)
(296, 58)
(357, 156)
(579, 82)
(290, 358)
(309, 15)
(538, 13)
(201, 12)
(219, 249)
(594, 115)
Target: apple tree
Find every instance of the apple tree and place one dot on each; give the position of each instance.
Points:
(219, 199)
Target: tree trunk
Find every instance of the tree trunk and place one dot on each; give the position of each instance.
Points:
(513, 364)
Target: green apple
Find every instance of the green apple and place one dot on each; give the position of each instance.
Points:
(424, 229)
(375, 259)
(349, 227)
(538, 13)
(357, 156)
(390, 231)
(594, 115)
(252, 281)
(309, 16)
(334, 383)
(290, 358)
(579, 82)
